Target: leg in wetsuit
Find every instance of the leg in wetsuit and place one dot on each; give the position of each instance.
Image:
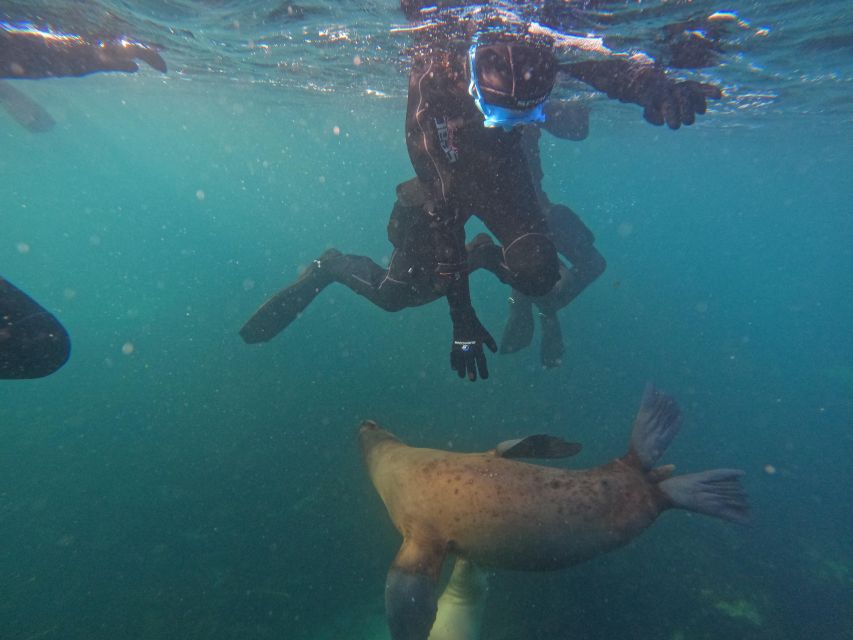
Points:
(409, 281)
(576, 243)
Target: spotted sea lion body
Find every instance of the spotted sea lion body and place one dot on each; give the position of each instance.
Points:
(496, 511)
(508, 514)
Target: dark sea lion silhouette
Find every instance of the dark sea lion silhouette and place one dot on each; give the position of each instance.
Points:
(501, 513)
(33, 343)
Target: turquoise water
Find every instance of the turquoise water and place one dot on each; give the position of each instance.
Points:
(172, 482)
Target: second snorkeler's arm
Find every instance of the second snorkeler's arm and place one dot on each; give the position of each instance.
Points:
(32, 54)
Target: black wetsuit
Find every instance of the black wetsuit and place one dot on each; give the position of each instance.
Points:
(466, 169)
(463, 169)
(31, 54)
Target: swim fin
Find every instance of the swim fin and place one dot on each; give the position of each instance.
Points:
(552, 348)
(276, 314)
(33, 343)
(518, 332)
(24, 110)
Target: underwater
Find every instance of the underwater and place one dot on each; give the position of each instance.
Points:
(171, 481)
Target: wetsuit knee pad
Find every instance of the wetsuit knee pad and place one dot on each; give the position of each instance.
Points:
(532, 261)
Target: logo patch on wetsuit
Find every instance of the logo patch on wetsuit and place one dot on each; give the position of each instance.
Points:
(447, 139)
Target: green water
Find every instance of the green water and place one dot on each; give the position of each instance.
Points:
(173, 482)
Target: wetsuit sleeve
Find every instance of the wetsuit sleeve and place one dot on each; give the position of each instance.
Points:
(663, 99)
(35, 54)
(619, 79)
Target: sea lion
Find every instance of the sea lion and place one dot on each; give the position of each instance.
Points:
(501, 513)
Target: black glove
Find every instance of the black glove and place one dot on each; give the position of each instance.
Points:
(466, 353)
(671, 101)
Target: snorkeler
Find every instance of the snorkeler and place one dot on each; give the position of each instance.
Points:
(33, 343)
(466, 102)
(29, 52)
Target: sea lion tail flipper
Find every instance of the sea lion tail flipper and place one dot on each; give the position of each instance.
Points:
(537, 446)
(410, 599)
(716, 493)
(655, 426)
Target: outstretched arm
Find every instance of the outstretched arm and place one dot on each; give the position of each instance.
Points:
(663, 99)
(631, 80)
(28, 52)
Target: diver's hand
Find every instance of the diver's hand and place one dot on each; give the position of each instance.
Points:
(671, 101)
(466, 354)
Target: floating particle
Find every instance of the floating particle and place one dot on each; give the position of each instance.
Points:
(199, 195)
(769, 469)
(23, 247)
(127, 348)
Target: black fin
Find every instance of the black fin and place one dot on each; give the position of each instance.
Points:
(33, 343)
(538, 446)
(276, 314)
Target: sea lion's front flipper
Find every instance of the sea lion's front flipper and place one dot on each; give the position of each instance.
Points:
(538, 446)
(410, 600)
(461, 604)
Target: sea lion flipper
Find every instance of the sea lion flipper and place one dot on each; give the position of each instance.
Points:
(656, 424)
(410, 598)
(461, 604)
(537, 446)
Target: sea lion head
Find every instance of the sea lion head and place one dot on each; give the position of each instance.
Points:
(370, 435)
